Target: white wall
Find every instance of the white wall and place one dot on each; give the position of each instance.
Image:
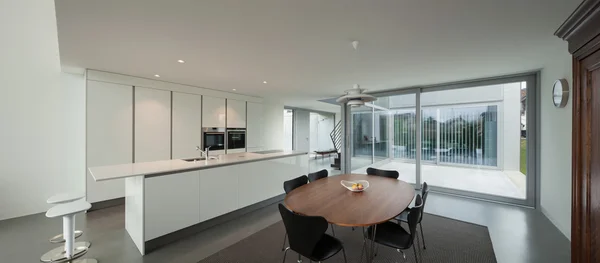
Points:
(288, 117)
(556, 125)
(33, 156)
(273, 128)
(74, 110)
(302, 130)
(511, 127)
(320, 127)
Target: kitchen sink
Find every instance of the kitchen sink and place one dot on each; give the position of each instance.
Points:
(194, 159)
(269, 151)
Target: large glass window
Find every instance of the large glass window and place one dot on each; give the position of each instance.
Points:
(473, 140)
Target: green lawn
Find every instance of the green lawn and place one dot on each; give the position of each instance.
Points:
(524, 156)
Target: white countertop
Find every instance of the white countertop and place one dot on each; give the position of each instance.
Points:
(110, 172)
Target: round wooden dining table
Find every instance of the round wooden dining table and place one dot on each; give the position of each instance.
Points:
(385, 199)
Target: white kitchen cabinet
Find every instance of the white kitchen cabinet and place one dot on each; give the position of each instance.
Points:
(251, 184)
(254, 149)
(187, 125)
(236, 151)
(172, 203)
(109, 135)
(213, 112)
(219, 191)
(152, 122)
(236, 114)
(254, 123)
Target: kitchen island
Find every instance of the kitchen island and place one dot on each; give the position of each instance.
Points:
(168, 200)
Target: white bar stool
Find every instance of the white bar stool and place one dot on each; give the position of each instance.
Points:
(61, 199)
(71, 251)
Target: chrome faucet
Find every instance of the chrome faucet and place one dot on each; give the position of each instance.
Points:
(205, 153)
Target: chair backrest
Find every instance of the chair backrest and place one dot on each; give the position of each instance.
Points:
(424, 193)
(290, 185)
(414, 216)
(317, 175)
(304, 232)
(383, 173)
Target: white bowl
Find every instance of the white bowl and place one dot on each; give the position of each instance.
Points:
(348, 185)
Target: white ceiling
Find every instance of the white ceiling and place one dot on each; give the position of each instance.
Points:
(303, 47)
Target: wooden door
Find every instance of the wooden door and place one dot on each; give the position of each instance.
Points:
(582, 32)
(586, 161)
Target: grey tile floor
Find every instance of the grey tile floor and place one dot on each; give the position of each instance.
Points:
(518, 234)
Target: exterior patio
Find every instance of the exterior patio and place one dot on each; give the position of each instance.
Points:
(480, 180)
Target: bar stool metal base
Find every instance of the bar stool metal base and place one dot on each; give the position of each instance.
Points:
(55, 254)
(77, 252)
(84, 260)
(60, 239)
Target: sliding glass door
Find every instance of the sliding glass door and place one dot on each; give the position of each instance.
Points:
(362, 138)
(476, 139)
(383, 138)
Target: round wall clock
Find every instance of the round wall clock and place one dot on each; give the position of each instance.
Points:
(560, 93)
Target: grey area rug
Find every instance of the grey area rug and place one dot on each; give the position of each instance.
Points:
(447, 240)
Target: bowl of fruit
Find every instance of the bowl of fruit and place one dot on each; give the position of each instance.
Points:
(355, 186)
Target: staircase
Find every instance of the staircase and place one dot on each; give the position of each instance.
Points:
(336, 137)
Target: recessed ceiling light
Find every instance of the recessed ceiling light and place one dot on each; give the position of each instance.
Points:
(181, 61)
(158, 76)
(234, 89)
(265, 82)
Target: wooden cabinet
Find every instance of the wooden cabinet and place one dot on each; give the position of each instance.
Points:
(583, 34)
(213, 112)
(187, 125)
(236, 114)
(152, 122)
(109, 135)
(254, 129)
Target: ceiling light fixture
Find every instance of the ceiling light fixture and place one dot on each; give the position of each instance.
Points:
(158, 76)
(355, 97)
(265, 82)
(234, 89)
(181, 61)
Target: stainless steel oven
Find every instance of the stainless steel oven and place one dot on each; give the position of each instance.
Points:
(214, 138)
(236, 138)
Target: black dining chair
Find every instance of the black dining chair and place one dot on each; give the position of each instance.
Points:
(289, 186)
(307, 236)
(317, 175)
(383, 173)
(403, 217)
(394, 235)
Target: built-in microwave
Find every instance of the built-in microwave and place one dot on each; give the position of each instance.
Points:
(236, 138)
(214, 138)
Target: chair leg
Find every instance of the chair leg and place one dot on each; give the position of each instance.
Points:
(285, 253)
(362, 251)
(415, 250)
(344, 253)
(332, 230)
(284, 238)
(422, 236)
(299, 258)
(419, 246)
